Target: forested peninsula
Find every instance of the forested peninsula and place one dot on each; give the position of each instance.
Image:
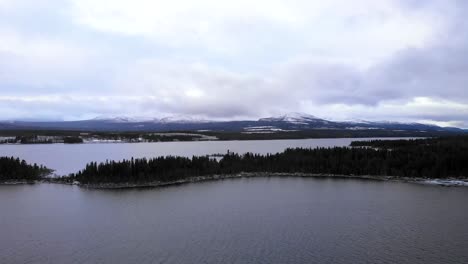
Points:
(16, 170)
(419, 158)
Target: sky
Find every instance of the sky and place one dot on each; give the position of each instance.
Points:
(398, 60)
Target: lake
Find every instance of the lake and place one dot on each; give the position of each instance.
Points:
(66, 158)
(254, 220)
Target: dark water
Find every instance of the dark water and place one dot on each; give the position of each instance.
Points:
(263, 220)
(67, 159)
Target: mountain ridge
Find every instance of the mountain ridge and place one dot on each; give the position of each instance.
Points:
(287, 122)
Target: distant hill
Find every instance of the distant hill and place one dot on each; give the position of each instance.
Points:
(287, 122)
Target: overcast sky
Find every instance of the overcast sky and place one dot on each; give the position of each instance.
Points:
(403, 60)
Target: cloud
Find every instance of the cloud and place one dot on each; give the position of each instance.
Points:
(33, 56)
(391, 59)
(425, 109)
(232, 28)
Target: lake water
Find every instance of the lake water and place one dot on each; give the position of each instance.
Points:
(65, 158)
(256, 220)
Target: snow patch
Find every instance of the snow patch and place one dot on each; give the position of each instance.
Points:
(295, 118)
(443, 182)
(182, 119)
(122, 119)
(264, 130)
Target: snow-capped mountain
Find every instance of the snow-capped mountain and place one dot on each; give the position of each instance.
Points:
(286, 122)
(294, 117)
(181, 119)
(351, 121)
(122, 119)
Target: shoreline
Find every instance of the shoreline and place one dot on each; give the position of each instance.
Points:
(358, 138)
(449, 182)
(444, 182)
(17, 182)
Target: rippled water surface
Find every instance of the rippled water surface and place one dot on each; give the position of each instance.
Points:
(262, 220)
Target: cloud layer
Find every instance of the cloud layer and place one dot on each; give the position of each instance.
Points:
(395, 59)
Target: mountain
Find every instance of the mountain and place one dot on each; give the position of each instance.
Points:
(121, 119)
(286, 122)
(181, 119)
(297, 118)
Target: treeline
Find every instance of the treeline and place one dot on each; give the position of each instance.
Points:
(27, 136)
(16, 169)
(169, 137)
(460, 141)
(389, 144)
(72, 140)
(327, 133)
(36, 139)
(435, 158)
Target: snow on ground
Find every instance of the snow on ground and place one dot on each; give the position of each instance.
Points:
(95, 140)
(361, 128)
(264, 130)
(449, 182)
(7, 138)
(296, 118)
(201, 136)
